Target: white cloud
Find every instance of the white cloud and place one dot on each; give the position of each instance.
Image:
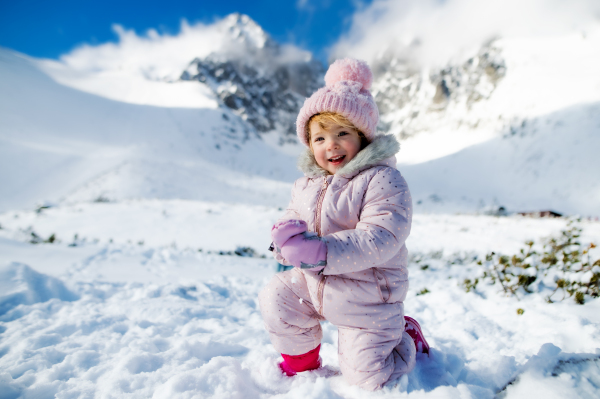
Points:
(154, 55)
(431, 32)
(145, 69)
(164, 57)
(302, 4)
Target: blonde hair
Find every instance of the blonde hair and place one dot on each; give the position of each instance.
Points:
(326, 119)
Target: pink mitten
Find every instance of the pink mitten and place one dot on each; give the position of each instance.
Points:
(306, 251)
(298, 247)
(283, 231)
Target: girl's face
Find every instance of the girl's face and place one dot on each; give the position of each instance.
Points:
(333, 146)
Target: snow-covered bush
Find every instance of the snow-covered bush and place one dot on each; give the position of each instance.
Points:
(563, 265)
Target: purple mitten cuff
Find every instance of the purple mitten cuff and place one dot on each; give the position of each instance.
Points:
(306, 251)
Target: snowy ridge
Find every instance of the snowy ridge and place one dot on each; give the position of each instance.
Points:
(413, 100)
(502, 84)
(263, 82)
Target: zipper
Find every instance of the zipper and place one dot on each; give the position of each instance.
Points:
(321, 286)
(319, 205)
(320, 290)
(378, 275)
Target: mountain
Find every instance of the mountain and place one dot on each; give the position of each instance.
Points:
(63, 145)
(232, 64)
(257, 79)
(513, 126)
(413, 100)
(209, 115)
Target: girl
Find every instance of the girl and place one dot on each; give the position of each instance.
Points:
(344, 231)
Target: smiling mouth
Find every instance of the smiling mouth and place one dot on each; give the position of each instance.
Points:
(337, 160)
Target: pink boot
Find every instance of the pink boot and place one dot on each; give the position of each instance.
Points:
(414, 330)
(296, 364)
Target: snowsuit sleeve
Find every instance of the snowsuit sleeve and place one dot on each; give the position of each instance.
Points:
(381, 231)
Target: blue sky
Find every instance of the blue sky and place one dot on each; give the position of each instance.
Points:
(51, 28)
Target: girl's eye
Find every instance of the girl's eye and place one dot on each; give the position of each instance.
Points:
(319, 139)
(342, 133)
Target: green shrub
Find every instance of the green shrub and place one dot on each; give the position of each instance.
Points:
(562, 264)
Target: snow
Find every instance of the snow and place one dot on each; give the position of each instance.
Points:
(151, 223)
(20, 284)
(89, 147)
(511, 149)
(121, 319)
(523, 172)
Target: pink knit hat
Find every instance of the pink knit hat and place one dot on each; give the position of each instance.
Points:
(346, 92)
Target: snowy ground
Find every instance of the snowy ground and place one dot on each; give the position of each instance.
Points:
(133, 308)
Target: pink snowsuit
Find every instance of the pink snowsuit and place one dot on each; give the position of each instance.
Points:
(364, 214)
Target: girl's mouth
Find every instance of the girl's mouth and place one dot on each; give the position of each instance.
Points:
(337, 160)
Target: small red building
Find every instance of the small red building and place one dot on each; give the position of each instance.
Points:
(541, 214)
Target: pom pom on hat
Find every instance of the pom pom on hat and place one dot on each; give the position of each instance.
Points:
(349, 69)
(346, 93)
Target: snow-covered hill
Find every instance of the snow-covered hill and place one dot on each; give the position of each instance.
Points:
(515, 125)
(62, 144)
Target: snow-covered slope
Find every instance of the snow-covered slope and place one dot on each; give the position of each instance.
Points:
(547, 162)
(208, 115)
(62, 144)
(515, 126)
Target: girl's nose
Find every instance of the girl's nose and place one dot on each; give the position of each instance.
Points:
(333, 144)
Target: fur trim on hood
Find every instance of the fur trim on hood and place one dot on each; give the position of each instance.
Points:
(381, 148)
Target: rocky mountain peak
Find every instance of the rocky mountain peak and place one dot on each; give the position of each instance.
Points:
(412, 100)
(261, 81)
(244, 30)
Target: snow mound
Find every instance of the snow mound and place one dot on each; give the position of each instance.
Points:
(220, 377)
(21, 285)
(553, 373)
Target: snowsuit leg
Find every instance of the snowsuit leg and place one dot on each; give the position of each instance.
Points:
(289, 316)
(371, 358)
